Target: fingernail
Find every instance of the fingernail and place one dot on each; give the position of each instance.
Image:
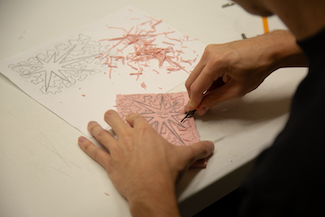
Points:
(203, 110)
(130, 116)
(91, 123)
(186, 109)
(190, 105)
(211, 144)
(81, 139)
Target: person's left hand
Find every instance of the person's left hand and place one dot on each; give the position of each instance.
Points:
(140, 162)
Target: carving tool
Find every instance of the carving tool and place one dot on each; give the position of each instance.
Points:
(188, 115)
(216, 84)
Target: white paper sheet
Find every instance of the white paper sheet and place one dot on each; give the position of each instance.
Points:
(68, 74)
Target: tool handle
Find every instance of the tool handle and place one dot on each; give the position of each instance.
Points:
(216, 84)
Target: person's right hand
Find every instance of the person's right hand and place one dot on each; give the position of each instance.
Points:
(242, 66)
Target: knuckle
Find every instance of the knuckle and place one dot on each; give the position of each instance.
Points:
(86, 147)
(208, 51)
(215, 64)
(95, 154)
(126, 139)
(187, 84)
(213, 101)
(196, 91)
(123, 133)
(210, 48)
(142, 127)
(100, 134)
(215, 59)
(237, 91)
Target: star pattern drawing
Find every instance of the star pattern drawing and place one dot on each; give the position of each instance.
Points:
(61, 67)
(164, 112)
(56, 66)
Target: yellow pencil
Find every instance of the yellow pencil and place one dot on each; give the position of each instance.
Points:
(266, 26)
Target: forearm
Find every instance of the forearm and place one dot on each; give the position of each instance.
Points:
(283, 50)
(140, 208)
(160, 201)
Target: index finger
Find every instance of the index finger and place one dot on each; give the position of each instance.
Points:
(196, 72)
(198, 88)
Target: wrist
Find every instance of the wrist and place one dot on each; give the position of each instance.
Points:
(283, 50)
(155, 200)
(151, 208)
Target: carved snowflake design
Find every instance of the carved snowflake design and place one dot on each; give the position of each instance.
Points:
(162, 111)
(165, 115)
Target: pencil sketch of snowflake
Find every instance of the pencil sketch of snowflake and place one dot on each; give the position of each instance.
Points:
(62, 66)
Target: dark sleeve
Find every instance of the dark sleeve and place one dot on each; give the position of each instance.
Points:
(288, 178)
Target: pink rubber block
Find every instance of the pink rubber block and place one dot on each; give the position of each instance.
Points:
(164, 112)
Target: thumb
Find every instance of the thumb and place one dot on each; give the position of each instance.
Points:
(227, 92)
(200, 150)
(192, 153)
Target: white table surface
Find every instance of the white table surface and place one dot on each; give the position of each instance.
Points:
(43, 172)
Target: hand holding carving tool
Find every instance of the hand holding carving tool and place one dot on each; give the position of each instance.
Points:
(216, 84)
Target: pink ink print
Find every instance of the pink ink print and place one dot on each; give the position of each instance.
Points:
(83, 95)
(106, 194)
